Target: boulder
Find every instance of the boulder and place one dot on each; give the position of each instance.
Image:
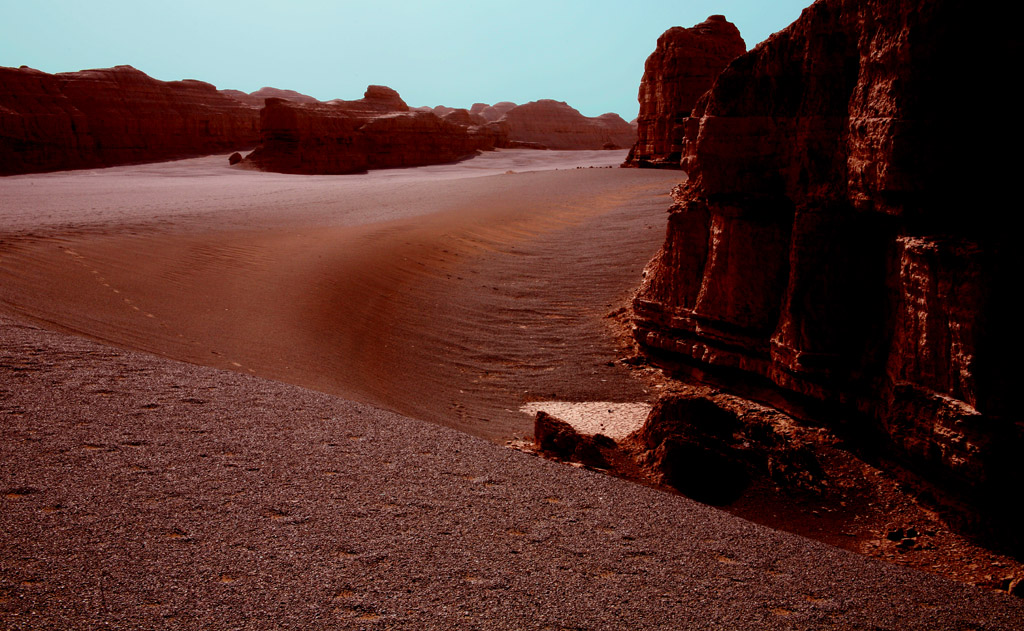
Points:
(711, 446)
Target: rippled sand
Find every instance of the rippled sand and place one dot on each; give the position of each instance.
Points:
(454, 293)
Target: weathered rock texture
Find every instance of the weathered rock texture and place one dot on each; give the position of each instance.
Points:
(555, 125)
(841, 243)
(682, 68)
(112, 116)
(375, 132)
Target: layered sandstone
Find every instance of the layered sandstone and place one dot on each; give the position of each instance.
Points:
(840, 244)
(376, 132)
(682, 67)
(555, 125)
(112, 116)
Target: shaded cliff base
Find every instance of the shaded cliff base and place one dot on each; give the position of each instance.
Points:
(791, 474)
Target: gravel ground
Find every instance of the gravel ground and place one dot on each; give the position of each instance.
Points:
(137, 492)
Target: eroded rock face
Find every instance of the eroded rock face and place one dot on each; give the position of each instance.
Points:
(682, 68)
(837, 240)
(112, 116)
(376, 132)
(555, 125)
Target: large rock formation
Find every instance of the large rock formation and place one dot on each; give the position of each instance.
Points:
(375, 132)
(113, 116)
(554, 125)
(843, 242)
(682, 68)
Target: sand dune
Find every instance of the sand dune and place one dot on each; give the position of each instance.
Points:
(453, 293)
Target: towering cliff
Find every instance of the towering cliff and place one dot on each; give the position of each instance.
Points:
(682, 67)
(113, 116)
(376, 132)
(844, 238)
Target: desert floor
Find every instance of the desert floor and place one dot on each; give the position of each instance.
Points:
(454, 293)
(222, 395)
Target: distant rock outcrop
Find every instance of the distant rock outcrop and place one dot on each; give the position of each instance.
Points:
(376, 132)
(682, 67)
(844, 250)
(491, 113)
(259, 96)
(378, 99)
(105, 117)
(462, 117)
(554, 125)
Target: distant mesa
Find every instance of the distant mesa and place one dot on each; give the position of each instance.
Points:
(556, 125)
(463, 117)
(259, 96)
(378, 99)
(381, 131)
(111, 116)
(546, 124)
(682, 67)
(376, 132)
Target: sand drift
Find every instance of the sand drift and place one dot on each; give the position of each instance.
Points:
(453, 293)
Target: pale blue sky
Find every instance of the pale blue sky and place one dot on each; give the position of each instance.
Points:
(587, 53)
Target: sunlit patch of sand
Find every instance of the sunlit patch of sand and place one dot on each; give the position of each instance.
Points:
(614, 420)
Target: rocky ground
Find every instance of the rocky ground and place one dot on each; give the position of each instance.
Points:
(138, 492)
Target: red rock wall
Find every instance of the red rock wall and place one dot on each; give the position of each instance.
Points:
(552, 124)
(840, 240)
(682, 67)
(352, 136)
(113, 116)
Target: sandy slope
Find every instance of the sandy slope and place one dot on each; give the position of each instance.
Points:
(452, 293)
